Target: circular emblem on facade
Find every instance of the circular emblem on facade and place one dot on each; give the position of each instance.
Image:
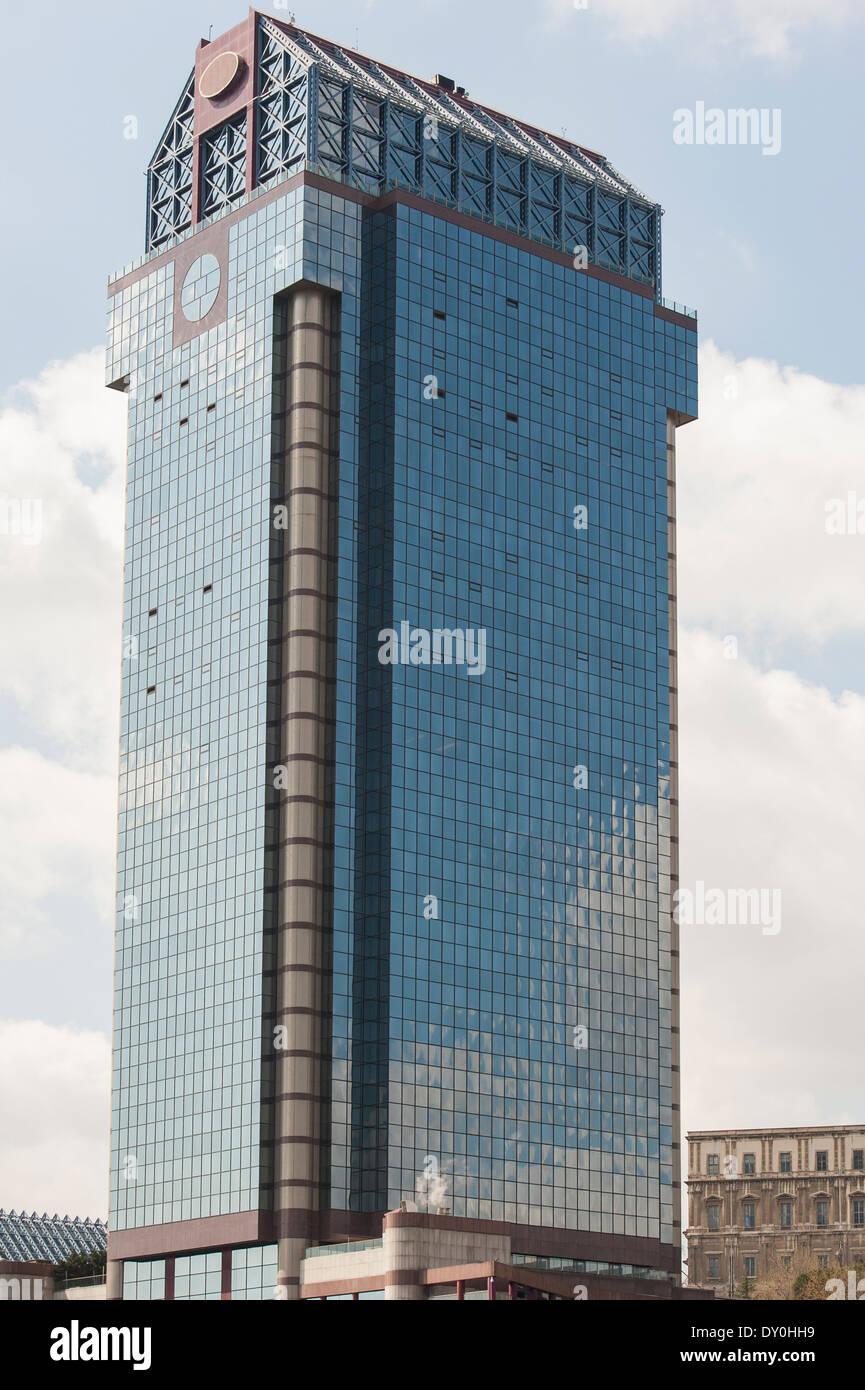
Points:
(219, 75)
(200, 288)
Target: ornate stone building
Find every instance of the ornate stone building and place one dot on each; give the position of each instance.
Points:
(759, 1196)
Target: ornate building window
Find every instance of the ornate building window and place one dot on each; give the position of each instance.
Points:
(169, 176)
(223, 166)
(281, 132)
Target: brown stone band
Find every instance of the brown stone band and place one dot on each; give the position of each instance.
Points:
(258, 1228)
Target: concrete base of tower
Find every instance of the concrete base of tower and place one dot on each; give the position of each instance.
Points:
(425, 1256)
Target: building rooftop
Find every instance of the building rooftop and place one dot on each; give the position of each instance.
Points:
(726, 1131)
(52, 1238)
(268, 101)
(452, 105)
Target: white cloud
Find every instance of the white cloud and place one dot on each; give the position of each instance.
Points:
(772, 769)
(57, 829)
(768, 29)
(62, 442)
(54, 1099)
(755, 472)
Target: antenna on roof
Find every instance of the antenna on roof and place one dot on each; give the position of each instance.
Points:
(210, 33)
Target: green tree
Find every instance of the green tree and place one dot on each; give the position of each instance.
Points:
(79, 1266)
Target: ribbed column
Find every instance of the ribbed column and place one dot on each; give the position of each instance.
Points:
(306, 810)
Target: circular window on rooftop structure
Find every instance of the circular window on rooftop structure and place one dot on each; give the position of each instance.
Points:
(200, 288)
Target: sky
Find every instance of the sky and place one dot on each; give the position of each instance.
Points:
(771, 677)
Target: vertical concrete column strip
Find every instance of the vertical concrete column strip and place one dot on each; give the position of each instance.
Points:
(306, 813)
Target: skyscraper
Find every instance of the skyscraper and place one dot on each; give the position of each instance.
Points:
(395, 963)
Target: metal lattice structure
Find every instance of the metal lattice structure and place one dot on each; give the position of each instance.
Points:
(51, 1238)
(223, 166)
(318, 106)
(283, 84)
(169, 176)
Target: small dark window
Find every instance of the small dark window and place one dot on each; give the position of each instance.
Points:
(212, 406)
(512, 303)
(151, 689)
(439, 314)
(509, 415)
(185, 420)
(184, 382)
(158, 396)
(822, 1160)
(151, 613)
(207, 588)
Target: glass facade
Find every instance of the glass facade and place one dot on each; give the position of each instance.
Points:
(144, 1280)
(499, 1032)
(550, 899)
